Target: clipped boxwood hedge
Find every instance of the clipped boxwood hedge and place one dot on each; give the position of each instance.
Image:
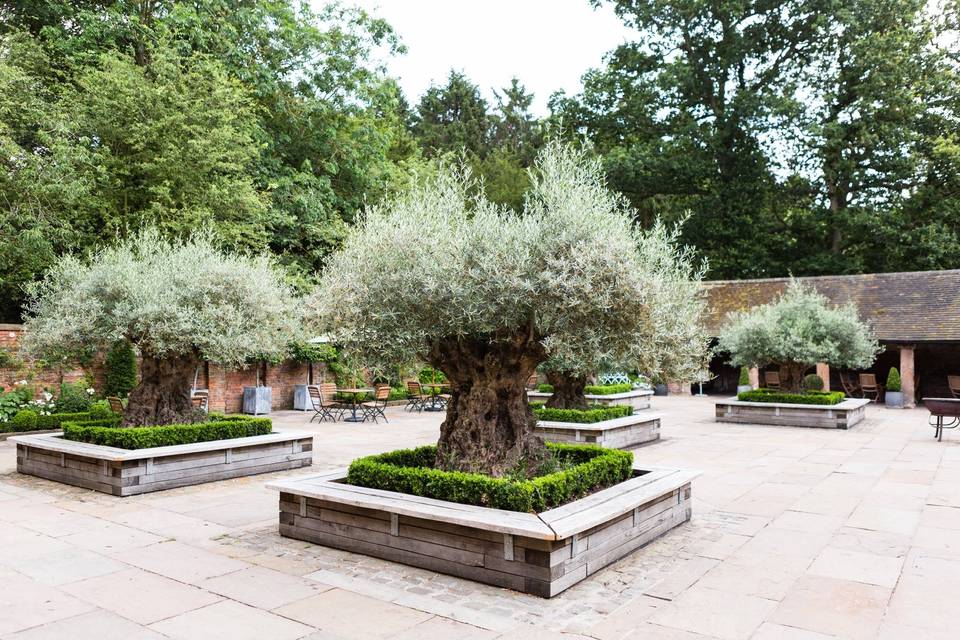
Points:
(809, 397)
(596, 413)
(593, 389)
(29, 420)
(583, 470)
(104, 433)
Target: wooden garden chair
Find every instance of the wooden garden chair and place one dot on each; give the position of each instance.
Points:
(324, 402)
(850, 385)
(771, 380)
(954, 383)
(869, 385)
(200, 400)
(377, 406)
(415, 396)
(116, 404)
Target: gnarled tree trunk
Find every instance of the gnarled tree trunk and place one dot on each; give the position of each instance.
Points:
(791, 377)
(567, 390)
(489, 424)
(163, 395)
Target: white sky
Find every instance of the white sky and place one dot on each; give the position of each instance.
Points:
(547, 44)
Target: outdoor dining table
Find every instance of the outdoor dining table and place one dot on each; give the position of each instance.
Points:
(434, 403)
(354, 396)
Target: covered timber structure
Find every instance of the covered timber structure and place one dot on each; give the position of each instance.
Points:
(915, 315)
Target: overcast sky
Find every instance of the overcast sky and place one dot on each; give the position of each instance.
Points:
(547, 44)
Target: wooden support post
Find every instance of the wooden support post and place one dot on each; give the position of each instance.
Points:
(907, 377)
(823, 370)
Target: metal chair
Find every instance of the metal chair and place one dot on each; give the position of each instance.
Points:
(324, 404)
(869, 385)
(377, 406)
(116, 404)
(415, 396)
(771, 380)
(954, 383)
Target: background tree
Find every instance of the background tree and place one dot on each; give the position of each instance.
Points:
(485, 295)
(179, 302)
(453, 118)
(265, 122)
(797, 331)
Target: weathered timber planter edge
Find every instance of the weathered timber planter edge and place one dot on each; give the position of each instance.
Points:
(635, 393)
(35, 432)
(841, 415)
(542, 554)
(123, 472)
(53, 442)
(619, 433)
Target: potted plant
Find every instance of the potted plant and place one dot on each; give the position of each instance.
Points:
(744, 383)
(893, 397)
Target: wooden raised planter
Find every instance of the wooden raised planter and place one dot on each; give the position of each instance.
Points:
(620, 433)
(127, 472)
(541, 554)
(826, 416)
(639, 399)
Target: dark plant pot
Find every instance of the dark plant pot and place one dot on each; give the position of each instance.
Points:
(257, 400)
(659, 389)
(893, 399)
(744, 387)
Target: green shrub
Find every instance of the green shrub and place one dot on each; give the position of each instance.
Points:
(810, 397)
(584, 469)
(24, 420)
(100, 409)
(744, 377)
(74, 397)
(593, 389)
(97, 432)
(429, 374)
(11, 401)
(813, 382)
(596, 413)
(893, 380)
(120, 365)
(55, 420)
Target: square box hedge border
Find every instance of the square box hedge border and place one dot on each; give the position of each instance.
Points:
(39, 422)
(596, 413)
(594, 389)
(106, 433)
(411, 471)
(808, 397)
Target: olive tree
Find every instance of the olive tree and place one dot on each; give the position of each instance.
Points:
(670, 342)
(179, 302)
(441, 275)
(796, 331)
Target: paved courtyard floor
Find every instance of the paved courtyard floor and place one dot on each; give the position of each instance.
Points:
(796, 533)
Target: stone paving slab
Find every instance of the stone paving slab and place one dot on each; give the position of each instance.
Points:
(796, 534)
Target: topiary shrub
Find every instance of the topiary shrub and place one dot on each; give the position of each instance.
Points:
(893, 380)
(24, 420)
(120, 376)
(813, 382)
(744, 377)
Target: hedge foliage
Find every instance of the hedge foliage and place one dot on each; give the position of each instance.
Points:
(596, 413)
(810, 397)
(103, 433)
(30, 420)
(893, 380)
(813, 382)
(583, 470)
(593, 389)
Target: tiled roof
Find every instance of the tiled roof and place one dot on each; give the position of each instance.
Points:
(914, 306)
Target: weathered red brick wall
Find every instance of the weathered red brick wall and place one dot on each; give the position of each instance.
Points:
(226, 387)
(37, 378)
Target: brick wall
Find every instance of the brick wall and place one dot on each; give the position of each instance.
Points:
(37, 378)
